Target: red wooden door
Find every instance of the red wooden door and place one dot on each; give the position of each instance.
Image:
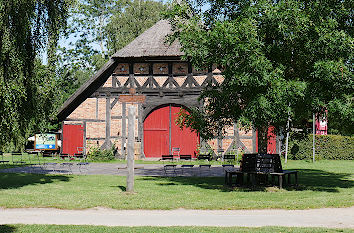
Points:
(156, 133)
(161, 134)
(272, 141)
(184, 138)
(73, 139)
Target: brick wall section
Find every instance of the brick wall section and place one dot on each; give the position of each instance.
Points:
(245, 133)
(116, 127)
(180, 80)
(141, 68)
(180, 68)
(226, 143)
(86, 110)
(101, 109)
(248, 144)
(122, 80)
(117, 109)
(93, 143)
(96, 129)
(141, 79)
(108, 83)
(160, 68)
(160, 80)
(200, 79)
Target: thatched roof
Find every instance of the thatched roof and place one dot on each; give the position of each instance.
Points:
(152, 43)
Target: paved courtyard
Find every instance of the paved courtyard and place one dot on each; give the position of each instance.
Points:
(117, 169)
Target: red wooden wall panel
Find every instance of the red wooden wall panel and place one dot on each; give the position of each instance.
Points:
(184, 138)
(272, 141)
(157, 134)
(73, 138)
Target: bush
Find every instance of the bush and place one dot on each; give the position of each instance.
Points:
(97, 154)
(326, 147)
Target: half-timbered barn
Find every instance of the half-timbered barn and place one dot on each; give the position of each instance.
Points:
(94, 116)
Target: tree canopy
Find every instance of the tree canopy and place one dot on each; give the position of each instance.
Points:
(96, 30)
(280, 59)
(27, 27)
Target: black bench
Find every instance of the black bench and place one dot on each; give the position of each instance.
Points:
(258, 167)
(230, 172)
(166, 157)
(18, 156)
(2, 158)
(185, 157)
(204, 157)
(229, 157)
(281, 177)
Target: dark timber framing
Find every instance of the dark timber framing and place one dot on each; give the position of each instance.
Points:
(168, 93)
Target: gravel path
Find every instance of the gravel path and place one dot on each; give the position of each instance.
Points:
(331, 217)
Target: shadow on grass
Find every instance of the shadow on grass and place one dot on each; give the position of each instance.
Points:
(17, 180)
(323, 181)
(7, 228)
(308, 179)
(122, 188)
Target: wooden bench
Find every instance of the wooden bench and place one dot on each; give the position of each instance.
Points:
(17, 154)
(185, 157)
(2, 158)
(168, 167)
(230, 172)
(258, 167)
(281, 177)
(204, 157)
(229, 157)
(166, 157)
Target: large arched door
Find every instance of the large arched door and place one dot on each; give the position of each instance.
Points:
(161, 133)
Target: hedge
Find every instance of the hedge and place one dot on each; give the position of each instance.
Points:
(327, 147)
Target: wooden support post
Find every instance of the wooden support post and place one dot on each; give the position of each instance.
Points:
(130, 149)
(124, 109)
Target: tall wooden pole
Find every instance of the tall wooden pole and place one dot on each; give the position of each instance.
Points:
(287, 140)
(130, 149)
(313, 139)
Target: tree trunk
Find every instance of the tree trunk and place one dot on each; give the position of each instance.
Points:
(262, 140)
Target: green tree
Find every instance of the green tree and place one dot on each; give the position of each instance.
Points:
(135, 17)
(280, 59)
(26, 27)
(97, 29)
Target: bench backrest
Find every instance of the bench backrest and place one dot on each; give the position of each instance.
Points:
(261, 163)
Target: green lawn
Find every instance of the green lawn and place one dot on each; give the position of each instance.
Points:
(29, 158)
(322, 184)
(88, 229)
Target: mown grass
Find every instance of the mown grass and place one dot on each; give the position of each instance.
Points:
(322, 184)
(103, 229)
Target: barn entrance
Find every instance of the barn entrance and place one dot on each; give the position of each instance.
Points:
(161, 133)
